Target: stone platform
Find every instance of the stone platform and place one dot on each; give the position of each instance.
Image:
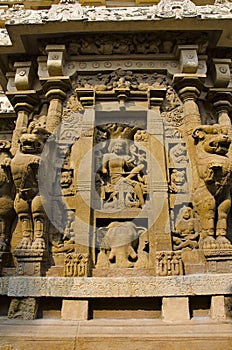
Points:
(114, 335)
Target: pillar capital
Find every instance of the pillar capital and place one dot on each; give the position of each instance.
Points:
(156, 97)
(188, 86)
(23, 101)
(221, 99)
(56, 87)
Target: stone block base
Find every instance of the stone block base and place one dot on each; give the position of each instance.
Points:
(175, 309)
(218, 310)
(74, 310)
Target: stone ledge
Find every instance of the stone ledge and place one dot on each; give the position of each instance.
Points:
(106, 287)
(114, 335)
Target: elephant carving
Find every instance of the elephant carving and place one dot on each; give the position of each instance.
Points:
(211, 198)
(118, 244)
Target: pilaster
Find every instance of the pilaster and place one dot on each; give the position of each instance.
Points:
(220, 94)
(23, 97)
(55, 85)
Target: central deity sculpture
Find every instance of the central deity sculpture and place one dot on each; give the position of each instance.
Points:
(123, 177)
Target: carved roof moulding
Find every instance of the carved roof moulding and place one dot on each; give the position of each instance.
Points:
(73, 11)
(152, 44)
(72, 18)
(38, 4)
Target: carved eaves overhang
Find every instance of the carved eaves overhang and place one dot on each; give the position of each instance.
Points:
(38, 4)
(20, 26)
(106, 39)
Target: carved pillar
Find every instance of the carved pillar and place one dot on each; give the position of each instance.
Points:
(54, 83)
(23, 110)
(188, 89)
(160, 237)
(22, 96)
(222, 102)
(221, 95)
(188, 84)
(55, 89)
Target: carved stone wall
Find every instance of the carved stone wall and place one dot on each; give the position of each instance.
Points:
(115, 151)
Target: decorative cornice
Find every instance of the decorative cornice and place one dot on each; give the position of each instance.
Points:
(63, 12)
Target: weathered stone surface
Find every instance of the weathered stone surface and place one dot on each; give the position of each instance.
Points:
(74, 310)
(218, 308)
(121, 164)
(200, 284)
(23, 308)
(115, 334)
(175, 309)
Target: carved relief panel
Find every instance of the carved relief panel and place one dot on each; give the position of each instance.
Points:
(121, 152)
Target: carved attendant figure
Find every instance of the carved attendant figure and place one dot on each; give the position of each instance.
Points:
(212, 196)
(187, 230)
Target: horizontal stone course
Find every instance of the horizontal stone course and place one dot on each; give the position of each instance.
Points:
(99, 287)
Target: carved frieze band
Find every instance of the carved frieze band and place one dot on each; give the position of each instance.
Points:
(172, 66)
(210, 284)
(74, 11)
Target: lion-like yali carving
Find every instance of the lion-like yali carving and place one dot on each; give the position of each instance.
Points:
(212, 200)
(28, 204)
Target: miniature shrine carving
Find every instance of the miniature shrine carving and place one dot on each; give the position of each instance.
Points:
(169, 264)
(77, 265)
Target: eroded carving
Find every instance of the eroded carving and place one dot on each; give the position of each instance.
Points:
(211, 198)
(169, 264)
(178, 182)
(186, 233)
(23, 308)
(172, 108)
(121, 79)
(77, 265)
(178, 154)
(177, 9)
(63, 241)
